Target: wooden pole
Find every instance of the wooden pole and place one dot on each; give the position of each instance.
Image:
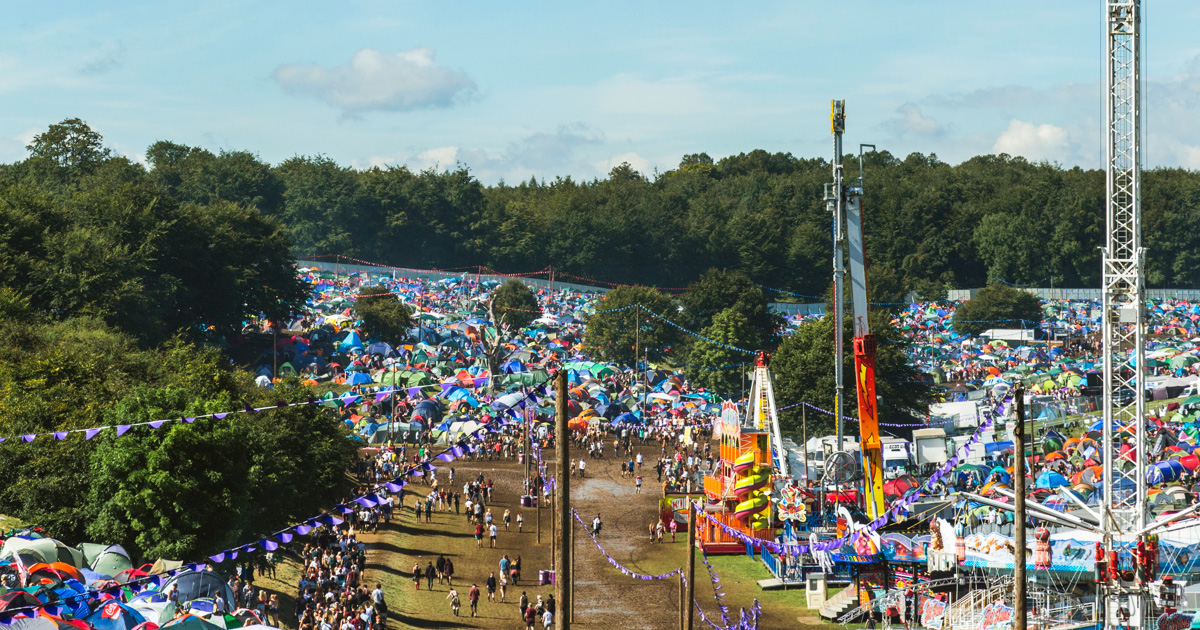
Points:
(690, 596)
(562, 495)
(553, 524)
(571, 582)
(1021, 613)
(682, 610)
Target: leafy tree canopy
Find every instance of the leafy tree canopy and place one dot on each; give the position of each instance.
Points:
(998, 306)
(384, 317)
(718, 367)
(717, 291)
(181, 491)
(803, 370)
(514, 305)
(612, 331)
(106, 241)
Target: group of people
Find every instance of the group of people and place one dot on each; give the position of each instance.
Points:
(331, 594)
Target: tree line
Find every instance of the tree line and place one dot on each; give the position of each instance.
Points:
(929, 225)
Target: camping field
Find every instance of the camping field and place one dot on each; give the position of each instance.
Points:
(603, 595)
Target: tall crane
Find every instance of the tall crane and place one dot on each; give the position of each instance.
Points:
(1124, 435)
(846, 203)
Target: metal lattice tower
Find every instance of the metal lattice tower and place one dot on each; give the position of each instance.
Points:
(1124, 480)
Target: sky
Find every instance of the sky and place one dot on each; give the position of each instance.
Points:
(545, 89)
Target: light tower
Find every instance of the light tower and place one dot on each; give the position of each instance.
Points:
(1124, 479)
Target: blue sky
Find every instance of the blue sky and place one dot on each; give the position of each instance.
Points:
(514, 89)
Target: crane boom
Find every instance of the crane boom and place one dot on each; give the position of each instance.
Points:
(848, 213)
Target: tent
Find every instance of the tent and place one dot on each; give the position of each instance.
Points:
(45, 549)
(106, 559)
(115, 615)
(1050, 479)
(196, 584)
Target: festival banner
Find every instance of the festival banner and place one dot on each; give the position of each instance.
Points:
(932, 611)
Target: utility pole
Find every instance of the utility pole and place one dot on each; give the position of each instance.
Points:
(690, 596)
(1022, 610)
(562, 492)
(571, 564)
(526, 446)
(682, 608)
(637, 336)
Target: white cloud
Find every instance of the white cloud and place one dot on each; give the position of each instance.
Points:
(12, 147)
(639, 163)
(540, 154)
(1035, 142)
(910, 121)
(440, 158)
(378, 81)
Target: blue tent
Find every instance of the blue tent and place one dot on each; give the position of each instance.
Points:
(359, 378)
(381, 348)
(351, 341)
(1051, 480)
(114, 615)
(627, 418)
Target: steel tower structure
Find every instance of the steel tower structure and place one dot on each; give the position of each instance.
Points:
(835, 197)
(1124, 477)
(1123, 515)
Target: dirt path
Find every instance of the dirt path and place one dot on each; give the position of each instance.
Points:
(604, 597)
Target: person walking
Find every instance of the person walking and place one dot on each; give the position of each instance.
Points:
(473, 597)
(637, 485)
(507, 519)
(492, 531)
(430, 573)
(454, 602)
(449, 569)
(520, 523)
(417, 576)
(490, 584)
(479, 535)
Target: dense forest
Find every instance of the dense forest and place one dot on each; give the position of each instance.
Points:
(109, 287)
(929, 225)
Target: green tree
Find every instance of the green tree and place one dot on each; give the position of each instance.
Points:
(719, 290)
(612, 332)
(70, 144)
(803, 368)
(998, 306)
(384, 317)
(716, 366)
(514, 306)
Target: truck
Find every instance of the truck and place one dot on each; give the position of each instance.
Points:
(930, 445)
(896, 458)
